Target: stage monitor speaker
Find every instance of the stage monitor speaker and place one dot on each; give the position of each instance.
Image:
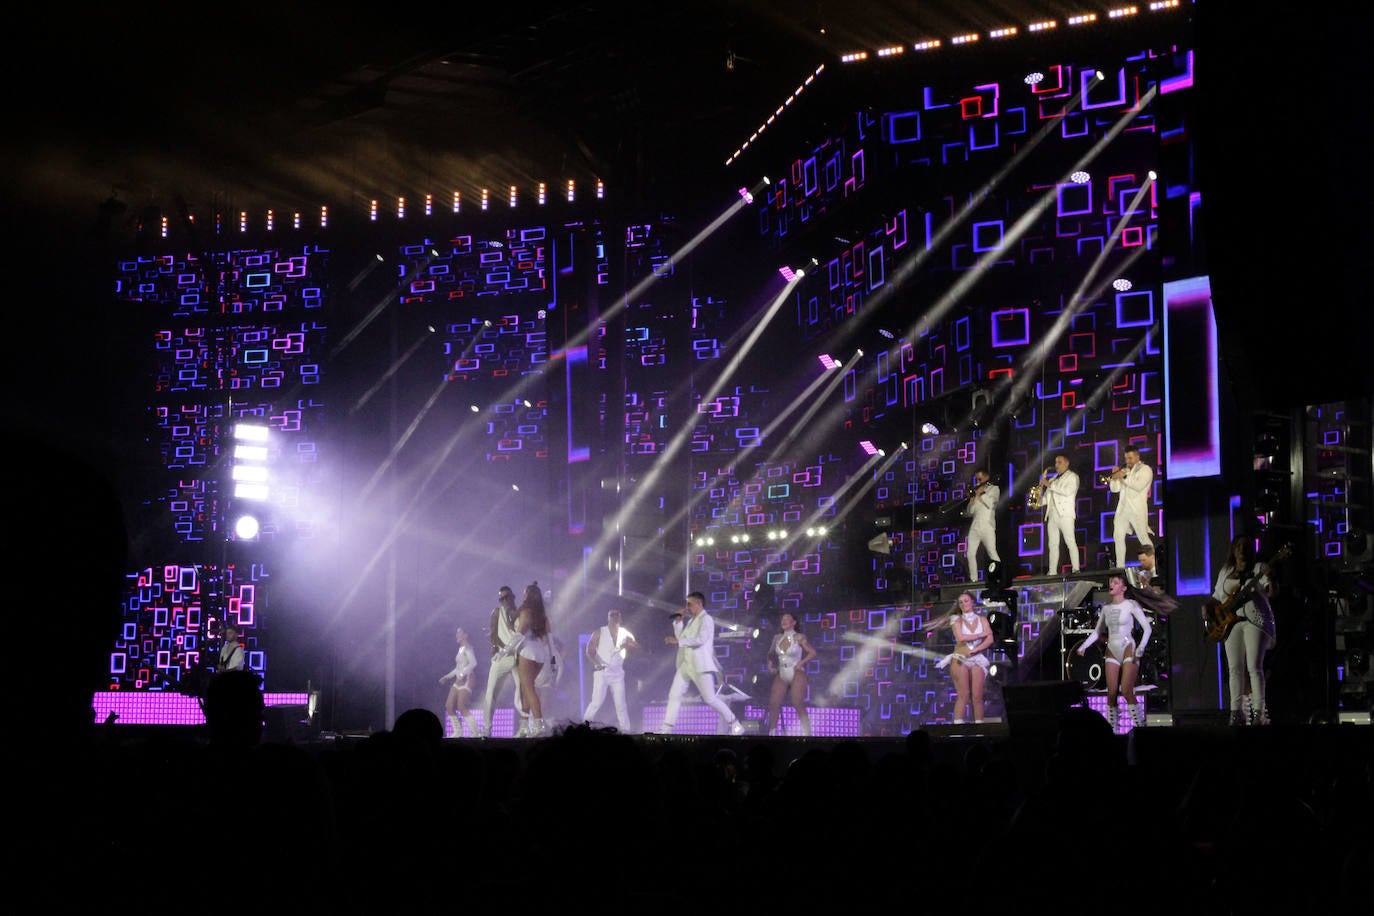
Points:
(1035, 706)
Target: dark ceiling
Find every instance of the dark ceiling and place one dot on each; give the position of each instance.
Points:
(278, 104)
(168, 105)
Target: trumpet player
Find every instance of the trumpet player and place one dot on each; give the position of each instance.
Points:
(1060, 496)
(982, 531)
(1132, 483)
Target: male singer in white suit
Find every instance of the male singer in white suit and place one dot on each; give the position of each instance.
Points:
(1133, 507)
(1061, 496)
(694, 634)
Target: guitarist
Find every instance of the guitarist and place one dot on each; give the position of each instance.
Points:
(1251, 636)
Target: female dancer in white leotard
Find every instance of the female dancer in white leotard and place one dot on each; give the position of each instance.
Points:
(787, 658)
(1117, 622)
(968, 663)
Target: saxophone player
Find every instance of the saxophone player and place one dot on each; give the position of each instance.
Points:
(1060, 496)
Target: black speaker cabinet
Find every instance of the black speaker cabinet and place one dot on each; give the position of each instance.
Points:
(1035, 706)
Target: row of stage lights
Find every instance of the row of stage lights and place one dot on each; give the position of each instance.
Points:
(773, 535)
(1010, 31)
(930, 44)
(250, 475)
(374, 210)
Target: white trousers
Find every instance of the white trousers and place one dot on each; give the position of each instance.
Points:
(1124, 523)
(1245, 648)
(615, 682)
(981, 535)
(706, 686)
(1057, 527)
(500, 670)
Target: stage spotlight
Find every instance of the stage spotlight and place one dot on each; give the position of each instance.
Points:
(905, 446)
(1080, 177)
(474, 408)
(886, 333)
(246, 528)
(929, 429)
(1034, 78)
(1003, 622)
(515, 487)
(380, 258)
(748, 198)
(1099, 76)
(1154, 176)
(1121, 284)
(527, 403)
(765, 180)
(1357, 662)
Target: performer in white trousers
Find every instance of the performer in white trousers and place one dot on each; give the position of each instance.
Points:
(694, 634)
(1133, 483)
(1252, 636)
(606, 650)
(1061, 495)
(502, 636)
(982, 531)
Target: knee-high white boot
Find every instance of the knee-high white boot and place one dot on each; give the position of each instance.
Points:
(1137, 714)
(1113, 716)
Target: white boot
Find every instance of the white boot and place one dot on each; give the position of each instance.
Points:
(1247, 710)
(455, 727)
(1137, 714)
(1113, 717)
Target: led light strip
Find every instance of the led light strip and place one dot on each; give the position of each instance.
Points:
(778, 112)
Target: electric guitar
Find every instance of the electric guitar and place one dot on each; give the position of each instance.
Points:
(1219, 617)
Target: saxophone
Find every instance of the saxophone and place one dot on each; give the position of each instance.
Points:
(1035, 498)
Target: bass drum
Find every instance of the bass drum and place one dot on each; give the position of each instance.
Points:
(1089, 669)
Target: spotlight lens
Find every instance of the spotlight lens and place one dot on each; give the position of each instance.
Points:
(1033, 79)
(1079, 177)
(246, 527)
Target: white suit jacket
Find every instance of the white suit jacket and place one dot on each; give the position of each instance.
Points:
(981, 508)
(1062, 492)
(696, 644)
(1134, 489)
